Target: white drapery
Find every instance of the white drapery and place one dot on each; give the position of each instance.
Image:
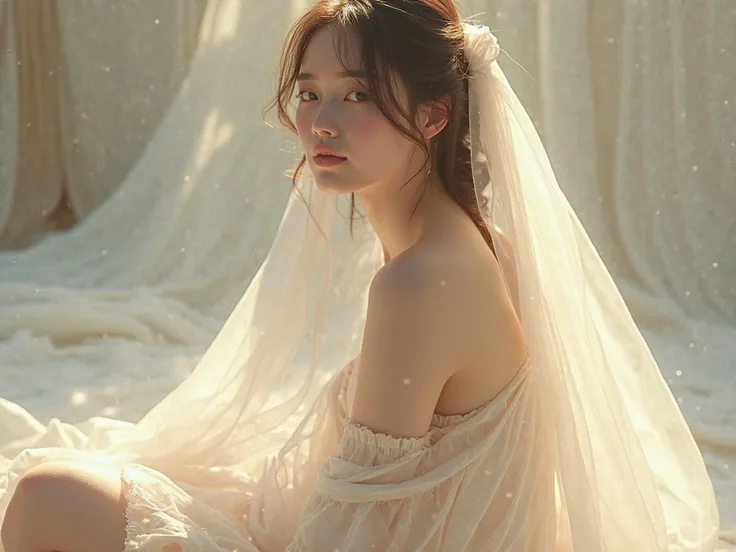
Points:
(84, 86)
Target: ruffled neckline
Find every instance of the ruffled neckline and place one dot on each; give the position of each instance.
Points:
(399, 445)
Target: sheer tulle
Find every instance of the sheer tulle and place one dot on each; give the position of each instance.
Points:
(481, 481)
(629, 473)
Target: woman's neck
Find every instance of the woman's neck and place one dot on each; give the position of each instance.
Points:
(399, 218)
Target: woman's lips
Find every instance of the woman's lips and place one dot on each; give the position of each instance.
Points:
(327, 160)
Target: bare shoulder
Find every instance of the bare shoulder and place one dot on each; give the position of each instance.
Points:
(406, 353)
(419, 309)
(441, 288)
(417, 278)
(429, 286)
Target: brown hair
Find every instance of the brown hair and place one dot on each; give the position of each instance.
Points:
(422, 43)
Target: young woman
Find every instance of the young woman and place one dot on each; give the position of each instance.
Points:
(502, 398)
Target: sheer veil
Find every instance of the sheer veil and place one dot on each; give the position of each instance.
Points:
(629, 475)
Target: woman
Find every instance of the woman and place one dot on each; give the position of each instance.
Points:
(455, 428)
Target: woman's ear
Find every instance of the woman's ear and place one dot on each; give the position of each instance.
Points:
(434, 117)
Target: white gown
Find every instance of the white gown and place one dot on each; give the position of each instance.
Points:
(477, 482)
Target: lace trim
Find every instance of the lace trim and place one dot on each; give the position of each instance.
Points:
(137, 513)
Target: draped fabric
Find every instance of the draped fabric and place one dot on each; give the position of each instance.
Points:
(84, 87)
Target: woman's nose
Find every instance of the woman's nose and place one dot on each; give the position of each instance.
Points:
(324, 123)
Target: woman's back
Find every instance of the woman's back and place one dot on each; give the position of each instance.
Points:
(464, 284)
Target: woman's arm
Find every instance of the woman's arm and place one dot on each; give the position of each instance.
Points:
(406, 356)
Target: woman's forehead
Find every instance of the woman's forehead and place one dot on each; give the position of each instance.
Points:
(332, 50)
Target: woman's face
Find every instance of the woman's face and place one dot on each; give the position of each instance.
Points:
(336, 115)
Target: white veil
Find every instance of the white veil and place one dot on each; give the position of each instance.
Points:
(629, 474)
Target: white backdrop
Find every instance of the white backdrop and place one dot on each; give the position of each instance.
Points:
(84, 85)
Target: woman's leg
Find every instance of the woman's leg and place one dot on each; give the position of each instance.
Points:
(66, 506)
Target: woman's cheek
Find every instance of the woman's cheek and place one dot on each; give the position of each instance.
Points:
(379, 137)
(370, 125)
(303, 123)
(371, 129)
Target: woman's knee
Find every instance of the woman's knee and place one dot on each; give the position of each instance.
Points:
(16, 530)
(55, 500)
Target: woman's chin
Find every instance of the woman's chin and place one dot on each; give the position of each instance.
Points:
(332, 184)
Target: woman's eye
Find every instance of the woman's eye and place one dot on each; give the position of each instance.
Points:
(357, 96)
(306, 96)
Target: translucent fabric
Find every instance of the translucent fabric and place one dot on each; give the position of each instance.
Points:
(629, 474)
(634, 104)
(475, 482)
(357, 490)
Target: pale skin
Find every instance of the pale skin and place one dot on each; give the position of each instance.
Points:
(442, 332)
